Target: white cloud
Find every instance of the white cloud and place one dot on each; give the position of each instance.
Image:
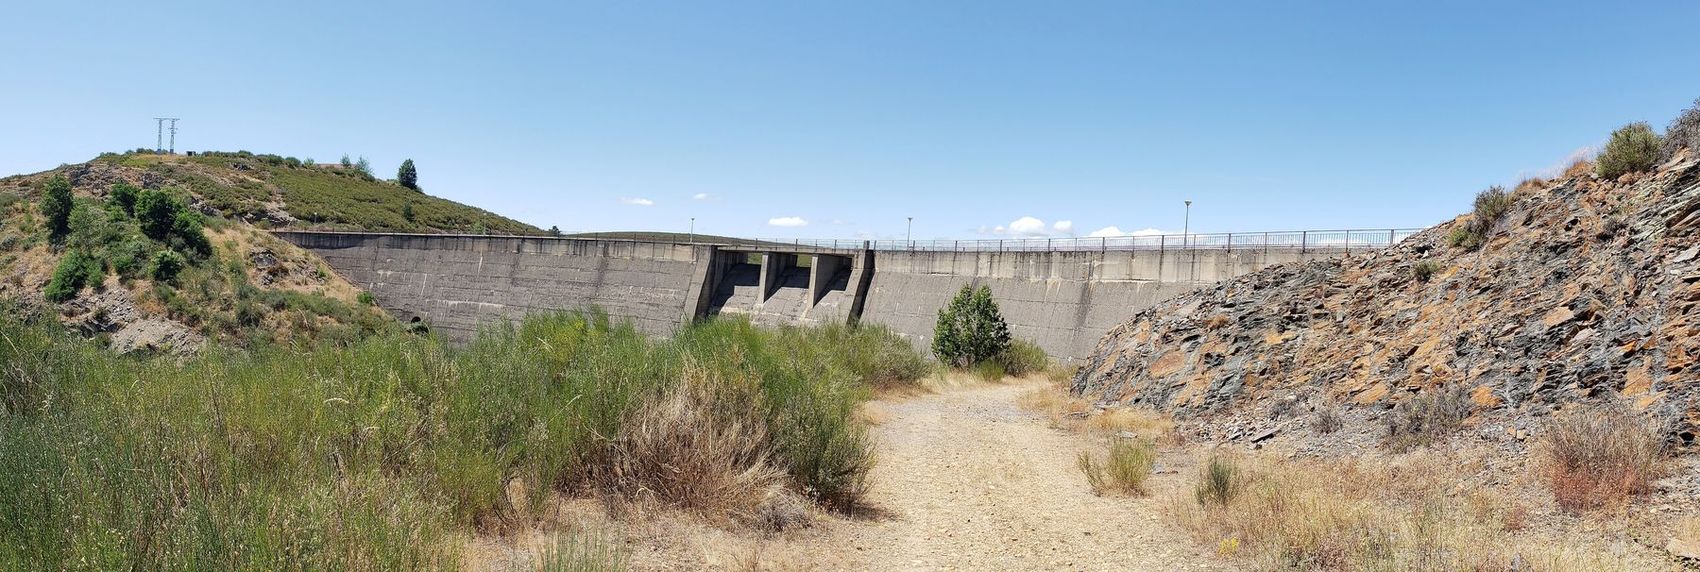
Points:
(1027, 226)
(701, 197)
(1064, 227)
(639, 201)
(787, 221)
(1115, 232)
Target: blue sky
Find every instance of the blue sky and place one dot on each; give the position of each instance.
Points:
(847, 117)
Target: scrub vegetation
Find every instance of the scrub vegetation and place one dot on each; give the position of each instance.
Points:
(379, 453)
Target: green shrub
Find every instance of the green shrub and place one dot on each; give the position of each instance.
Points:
(56, 207)
(1124, 469)
(123, 198)
(970, 330)
(1219, 481)
(366, 298)
(187, 234)
(1632, 148)
(1683, 132)
(877, 356)
(129, 257)
(381, 454)
(989, 370)
(76, 270)
(1022, 358)
(1490, 206)
(164, 218)
(1424, 270)
(156, 212)
(166, 265)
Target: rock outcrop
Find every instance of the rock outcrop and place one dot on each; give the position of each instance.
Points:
(1585, 289)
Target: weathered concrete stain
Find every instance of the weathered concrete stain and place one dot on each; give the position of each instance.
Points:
(1062, 300)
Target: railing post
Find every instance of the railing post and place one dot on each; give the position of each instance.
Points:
(1230, 242)
(1103, 244)
(1390, 237)
(1348, 243)
(1162, 243)
(1304, 241)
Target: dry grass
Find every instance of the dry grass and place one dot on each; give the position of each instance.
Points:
(1529, 186)
(1426, 418)
(1068, 412)
(699, 447)
(1582, 168)
(1419, 513)
(582, 551)
(1601, 457)
(1124, 468)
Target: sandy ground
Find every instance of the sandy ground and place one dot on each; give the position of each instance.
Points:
(967, 480)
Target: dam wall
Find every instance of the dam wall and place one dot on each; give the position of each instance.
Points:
(457, 284)
(1063, 300)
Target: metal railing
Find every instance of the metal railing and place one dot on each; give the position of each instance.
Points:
(1301, 240)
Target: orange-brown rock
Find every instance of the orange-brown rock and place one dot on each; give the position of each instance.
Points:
(1585, 289)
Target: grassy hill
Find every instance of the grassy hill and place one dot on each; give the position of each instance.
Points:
(224, 278)
(271, 191)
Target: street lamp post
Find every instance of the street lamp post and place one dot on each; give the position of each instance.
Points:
(909, 234)
(1186, 226)
(693, 233)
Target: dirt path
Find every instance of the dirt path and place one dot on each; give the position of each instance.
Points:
(967, 480)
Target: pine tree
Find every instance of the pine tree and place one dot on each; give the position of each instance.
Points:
(407, 175)
(56, 208)
(970, 329)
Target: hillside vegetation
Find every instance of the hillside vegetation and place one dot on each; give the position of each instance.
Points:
(154, 251)
(274, 191)
(388, 453)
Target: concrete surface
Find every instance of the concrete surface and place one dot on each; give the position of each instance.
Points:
(1063, 301)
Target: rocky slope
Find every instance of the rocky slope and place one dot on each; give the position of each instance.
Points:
(1585, 289)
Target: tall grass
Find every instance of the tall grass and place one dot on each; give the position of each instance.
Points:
(1124, 468)
(380, 454)
(1423, 513)
(1602, 456)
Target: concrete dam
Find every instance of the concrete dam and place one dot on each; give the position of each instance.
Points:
(1062, 299)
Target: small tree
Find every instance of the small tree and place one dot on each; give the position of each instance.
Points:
(970, 329)
(187, 234)
(364, 166)
(1633, 148)
(554, 231)
(56, 207)
(345, 162)
(407, 175)
(123, 197)
(407, 211)
(156, 212)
